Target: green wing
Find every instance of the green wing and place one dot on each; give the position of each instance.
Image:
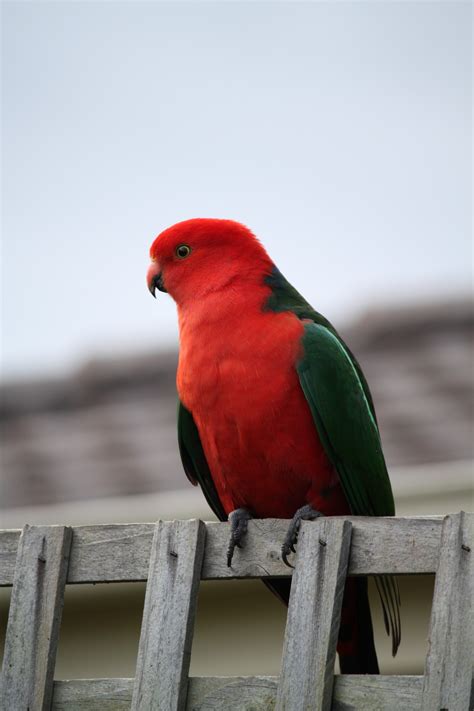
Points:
(344, 415)
(349, 434)
(285, 297)
(194, 460)
(341, 404)
(345, 422)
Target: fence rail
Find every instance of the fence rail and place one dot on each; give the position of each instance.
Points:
(174, 556)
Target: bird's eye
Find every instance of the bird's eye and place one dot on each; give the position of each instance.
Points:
(183, 251)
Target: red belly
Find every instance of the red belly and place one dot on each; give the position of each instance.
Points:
(272, 463)
(255, 425)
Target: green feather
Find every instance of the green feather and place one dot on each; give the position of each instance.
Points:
(194, 460)
(344, 415)
(285, 297)
(345, 422)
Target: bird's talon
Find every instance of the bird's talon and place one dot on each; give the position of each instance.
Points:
(305, 513)
(238, 520)
(284, 556)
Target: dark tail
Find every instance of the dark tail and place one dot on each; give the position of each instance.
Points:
(355, 646)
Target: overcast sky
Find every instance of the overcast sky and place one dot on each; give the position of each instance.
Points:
(339, 132)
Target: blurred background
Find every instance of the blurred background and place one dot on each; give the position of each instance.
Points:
(341, 134)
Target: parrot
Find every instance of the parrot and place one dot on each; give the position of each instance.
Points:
(275, 417)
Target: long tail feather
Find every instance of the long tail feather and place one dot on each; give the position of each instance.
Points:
(389, 594)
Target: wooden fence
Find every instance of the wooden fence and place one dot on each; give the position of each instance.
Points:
(174, 556)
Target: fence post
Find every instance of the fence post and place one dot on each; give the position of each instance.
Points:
(447, 679)
(309, 651)
(34, 618)
(168, 617)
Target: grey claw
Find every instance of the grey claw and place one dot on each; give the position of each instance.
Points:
(238, 520)
(284, 554)
(230, 554)
(305, 513)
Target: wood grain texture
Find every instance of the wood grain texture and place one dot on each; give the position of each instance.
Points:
(376, 693)
(447, 680)
(351, 693)
(93, 695)
(120, 553)
(309, 648)
(9, 541)
(34, 618)
(168, 618)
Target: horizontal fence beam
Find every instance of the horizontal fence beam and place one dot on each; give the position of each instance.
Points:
(121, 552)
(354, 692)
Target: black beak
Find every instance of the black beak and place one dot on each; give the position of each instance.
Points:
(156, 283)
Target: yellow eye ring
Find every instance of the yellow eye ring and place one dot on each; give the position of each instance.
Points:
(183, 251)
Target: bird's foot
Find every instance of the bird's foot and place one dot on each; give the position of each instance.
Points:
(238, 520)
(305, 513)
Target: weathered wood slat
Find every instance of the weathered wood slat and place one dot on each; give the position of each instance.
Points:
(119, 553)
(164, 652)
(376, 693)
(93, 695)
(449, 660)
(34, 618)
(122, 553)
(9, 541)
(351, 693)
(309, 649)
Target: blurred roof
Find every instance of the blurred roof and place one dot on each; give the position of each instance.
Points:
(109, 429)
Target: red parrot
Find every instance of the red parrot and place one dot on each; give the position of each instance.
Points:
(275, 417)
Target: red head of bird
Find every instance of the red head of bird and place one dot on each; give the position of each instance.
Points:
(201, 256)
